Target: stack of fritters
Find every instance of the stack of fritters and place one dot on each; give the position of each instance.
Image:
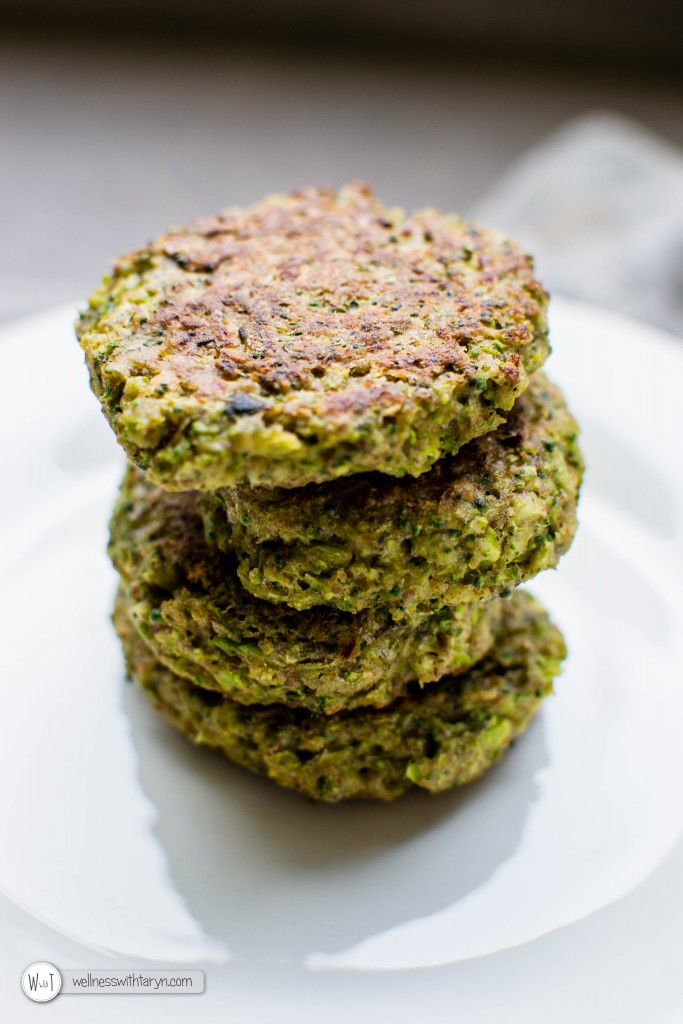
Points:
(344, 458)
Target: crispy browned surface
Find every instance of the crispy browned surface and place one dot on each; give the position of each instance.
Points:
(266, 264)
(324, 315)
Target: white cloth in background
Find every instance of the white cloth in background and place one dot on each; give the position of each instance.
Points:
(600, 205)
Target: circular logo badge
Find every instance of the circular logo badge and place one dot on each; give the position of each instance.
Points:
(41, 982)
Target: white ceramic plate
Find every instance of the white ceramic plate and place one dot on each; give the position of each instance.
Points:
(123, 845)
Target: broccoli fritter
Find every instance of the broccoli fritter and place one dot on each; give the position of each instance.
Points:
(187, 602)
(309, 337)
(443, 736)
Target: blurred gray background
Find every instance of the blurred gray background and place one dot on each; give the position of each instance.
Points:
(117, 122)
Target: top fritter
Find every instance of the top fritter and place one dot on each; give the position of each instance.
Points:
(309, 337)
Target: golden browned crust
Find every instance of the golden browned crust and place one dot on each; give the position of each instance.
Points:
(307, 336)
